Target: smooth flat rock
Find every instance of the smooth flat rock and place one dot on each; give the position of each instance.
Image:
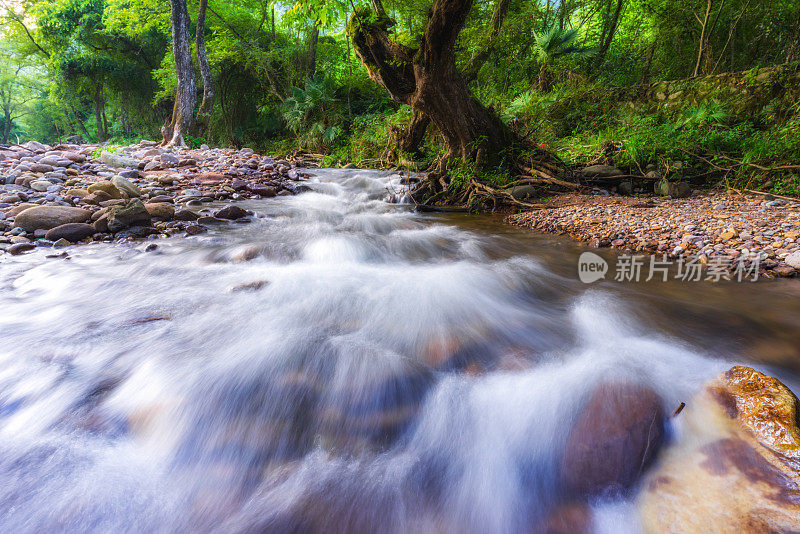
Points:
(47, 217)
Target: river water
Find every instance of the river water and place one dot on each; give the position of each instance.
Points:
(340, 364)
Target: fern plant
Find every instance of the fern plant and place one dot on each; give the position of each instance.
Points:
(552, 44)
(312, 113)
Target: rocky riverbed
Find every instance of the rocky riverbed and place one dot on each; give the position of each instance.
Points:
(54, 196)
(709, 229)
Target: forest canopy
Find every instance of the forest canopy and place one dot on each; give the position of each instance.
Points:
(579, 78)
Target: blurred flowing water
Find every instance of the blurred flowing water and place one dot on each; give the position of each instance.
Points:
(369, 369)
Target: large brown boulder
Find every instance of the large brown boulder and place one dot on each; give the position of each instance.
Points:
(616, 436)
(72, 232)
(47, 217)
(736, 467)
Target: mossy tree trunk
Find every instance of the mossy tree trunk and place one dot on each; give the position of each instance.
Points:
(427, 79)
(207, 104)
(185, 93)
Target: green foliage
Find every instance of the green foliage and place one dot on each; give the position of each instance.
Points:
(555, 42)
(96, 68)
(313, 114)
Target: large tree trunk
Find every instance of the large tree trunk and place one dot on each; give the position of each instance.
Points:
(207, 105)
(311, 62)
(410, 138)
(185, 97)
(427, 79)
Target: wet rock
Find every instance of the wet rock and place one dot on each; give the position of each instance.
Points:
(194, 229)
(210, 178)
(262, 190)
(131, 213)
(72, 232)
(185, 215)
(737, 466)
(101, 224)
(160, 210)
(250, 286)
(130, 174)
(573, 518)
(373, 412)
(20, 248)
(231, 212)
(135, 232)
(210, 220)
(616, 436)
(246, 254)
(47, 217)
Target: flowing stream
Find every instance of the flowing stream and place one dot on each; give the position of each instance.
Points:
(340, 364)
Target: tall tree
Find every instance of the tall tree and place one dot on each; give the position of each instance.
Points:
(185, 93)
(426, 78)
(207, 105)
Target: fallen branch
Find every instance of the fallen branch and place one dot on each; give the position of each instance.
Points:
(772, 194)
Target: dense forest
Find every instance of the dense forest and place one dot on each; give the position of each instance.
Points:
(702, 89)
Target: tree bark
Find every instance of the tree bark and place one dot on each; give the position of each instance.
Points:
(701, 46)
(185, 96)
(313, 39)
(427, 79)
(410, 138)
(207, 105)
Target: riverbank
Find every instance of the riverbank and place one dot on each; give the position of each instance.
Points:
(709, 228)
(54, 196)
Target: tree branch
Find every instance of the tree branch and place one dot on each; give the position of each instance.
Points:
(15, 17)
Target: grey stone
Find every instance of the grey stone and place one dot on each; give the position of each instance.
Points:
(601, 171)
(126, 186)
(793, 260)
(118, 161)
